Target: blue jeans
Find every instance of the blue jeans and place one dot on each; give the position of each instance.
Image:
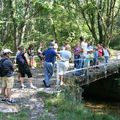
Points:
(48, 72)
(106, 59)
(95, 61)
(76, 61)
(81, 65)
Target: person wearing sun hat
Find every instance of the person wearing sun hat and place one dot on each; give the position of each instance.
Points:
(7, 76)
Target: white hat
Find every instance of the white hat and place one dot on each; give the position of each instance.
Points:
(7, 51)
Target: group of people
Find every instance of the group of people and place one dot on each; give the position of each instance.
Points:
(84, 55)
(23, 63)
(7, 72)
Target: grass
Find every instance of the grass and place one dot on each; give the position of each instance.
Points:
(66, 109)
(62, 108)
(22, 115)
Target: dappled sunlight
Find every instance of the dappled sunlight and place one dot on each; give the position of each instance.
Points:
(19, 93)
(9, 108)
(103, 108)
(94, 106)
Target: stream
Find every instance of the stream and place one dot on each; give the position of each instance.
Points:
(101, 107)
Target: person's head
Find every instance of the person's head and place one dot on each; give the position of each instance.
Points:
(18, 48)
(95, 48)
(31, 46)
(81, 38)
(7, 52)
(104, 46)
(51, 45)
(53, 41)
(78, 44)
(98, 45)
(67, 47)
(65, 43)
(22, 49)
(41, 44)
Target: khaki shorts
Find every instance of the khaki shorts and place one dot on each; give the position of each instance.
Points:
(7, 82)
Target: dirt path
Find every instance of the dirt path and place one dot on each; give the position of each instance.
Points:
(27, 98)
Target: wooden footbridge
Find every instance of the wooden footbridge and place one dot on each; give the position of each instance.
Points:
(91, 74)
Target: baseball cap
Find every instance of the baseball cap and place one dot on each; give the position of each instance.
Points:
(7, 51)
(51, 44)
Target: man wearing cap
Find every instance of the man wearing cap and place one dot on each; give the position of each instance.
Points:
(7, 76)
(49, 55)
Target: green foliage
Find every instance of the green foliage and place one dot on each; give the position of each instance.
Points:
(115, 43)
(24, 21)
(65, 109)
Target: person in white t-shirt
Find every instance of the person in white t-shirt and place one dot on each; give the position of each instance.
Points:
(63, 64)
(84, 45)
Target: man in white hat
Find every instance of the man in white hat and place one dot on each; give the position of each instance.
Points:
(7, 76)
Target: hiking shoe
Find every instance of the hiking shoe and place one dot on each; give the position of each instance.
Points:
(12, 101)
(44, 83)
(33, 68)
(33, 87)
(23, 86)
(48, 86)
(4, 99)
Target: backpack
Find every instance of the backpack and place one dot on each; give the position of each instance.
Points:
(3, 71)
(18, 59)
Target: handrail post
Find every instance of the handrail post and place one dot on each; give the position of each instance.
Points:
(88, 75)
(117, 66)
(105, 67)
(57, 75)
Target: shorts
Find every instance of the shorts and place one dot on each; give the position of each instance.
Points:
(28, 73)
(25, 70)
(8, 82)
(62, 67)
